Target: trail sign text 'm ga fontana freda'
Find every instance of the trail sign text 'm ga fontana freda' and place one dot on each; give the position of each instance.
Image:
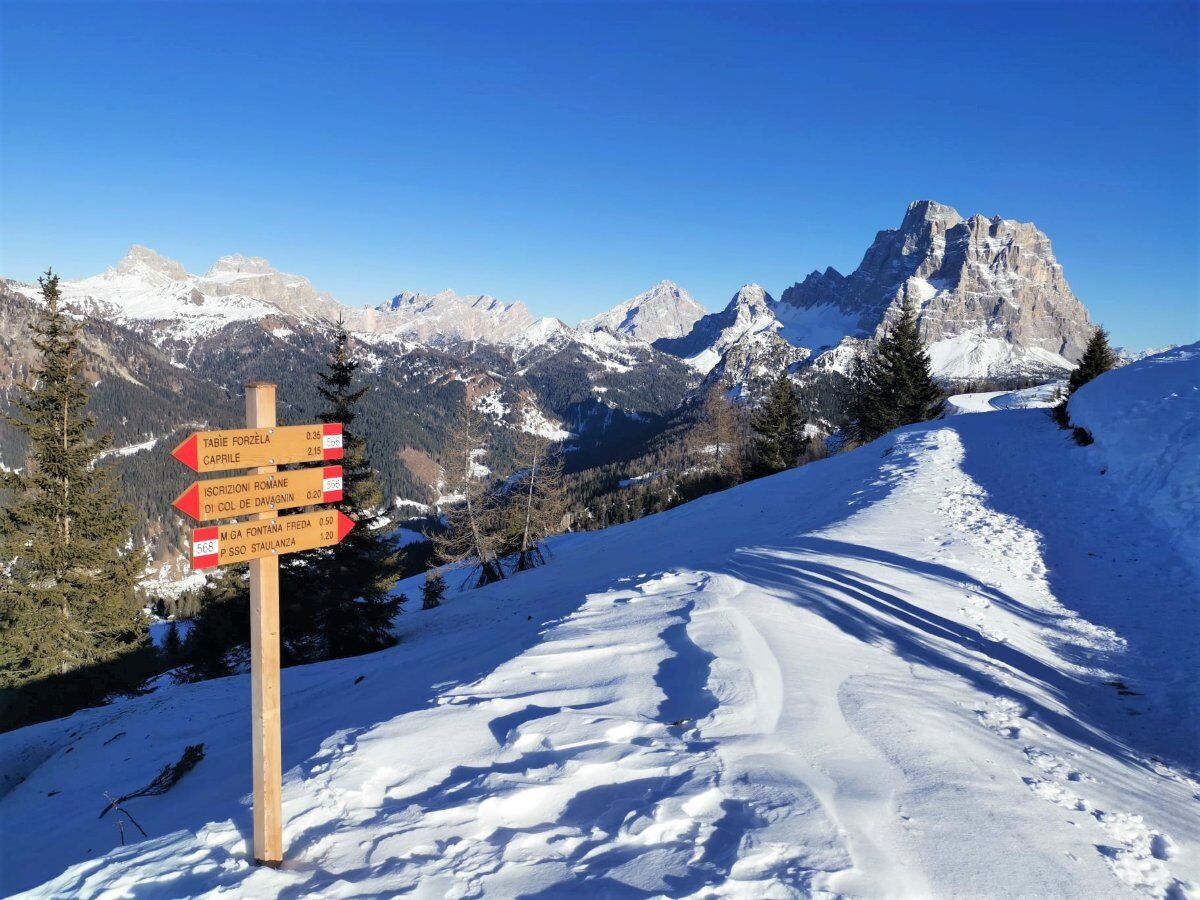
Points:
(263, 446)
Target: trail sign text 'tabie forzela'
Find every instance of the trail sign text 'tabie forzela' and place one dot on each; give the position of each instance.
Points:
(246, 448)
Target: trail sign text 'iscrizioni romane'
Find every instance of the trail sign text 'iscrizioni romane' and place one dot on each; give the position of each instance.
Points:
(244, 495)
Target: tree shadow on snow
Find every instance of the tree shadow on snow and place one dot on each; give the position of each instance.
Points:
(463, 648)
(1108, 562)
(873, 612)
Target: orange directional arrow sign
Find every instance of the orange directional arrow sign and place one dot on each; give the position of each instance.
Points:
(222, 545)
(245, 448)
(244, 495)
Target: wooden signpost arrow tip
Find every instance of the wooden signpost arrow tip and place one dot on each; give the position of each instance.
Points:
(187, 452)
(188, 502)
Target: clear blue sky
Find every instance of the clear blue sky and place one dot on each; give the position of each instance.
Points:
(571, 155)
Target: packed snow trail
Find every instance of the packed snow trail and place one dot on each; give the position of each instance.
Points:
(952, 663)
(1038, 397)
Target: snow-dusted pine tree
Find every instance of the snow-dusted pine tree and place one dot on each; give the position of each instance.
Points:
(67, 602)
(339, 599)
(779, 427)
(1097, 359)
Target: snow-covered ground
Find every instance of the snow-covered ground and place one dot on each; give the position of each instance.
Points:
(1145, 419)
(954, 662)
(1038, 397)
(973, 354)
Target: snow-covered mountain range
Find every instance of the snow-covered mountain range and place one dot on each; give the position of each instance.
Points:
(993, 304)
(992, 298)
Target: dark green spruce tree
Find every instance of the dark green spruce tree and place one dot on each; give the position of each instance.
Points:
(219, 629)
(1097, 359)
(433, 590)
(778, 428)
(172, 649)
(858, 401)
(340, 598)
(70, 622)
(894, 386)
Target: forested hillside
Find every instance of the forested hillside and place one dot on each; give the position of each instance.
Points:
(151, 388)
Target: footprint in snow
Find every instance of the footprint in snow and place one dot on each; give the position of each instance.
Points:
(1138, 855)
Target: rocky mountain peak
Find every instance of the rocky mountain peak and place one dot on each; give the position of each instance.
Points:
(143, 258)
(235, 263)
(990, 284)
(664, 311)
(751, 300)
(544, 330)
(929, 212)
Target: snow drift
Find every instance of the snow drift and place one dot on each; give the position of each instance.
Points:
(954, 662)
(1145, 419)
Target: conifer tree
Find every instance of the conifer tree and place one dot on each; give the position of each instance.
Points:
(67, 600)
(779, 428)
(339, 598)
(720, 432)
(536, 499)
(221, 626)
(857, 397)
(894, 386)
(475, 533)
(172, 645)
(433, 589)
(1097, 359)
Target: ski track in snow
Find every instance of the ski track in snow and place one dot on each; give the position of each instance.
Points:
(868, 677)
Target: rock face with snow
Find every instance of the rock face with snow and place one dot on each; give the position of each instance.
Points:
(446, 316)
(664, 311)
(750, 312)
(992, 298)
(747, 369)
(253, 276)
(141, 258)
(992, 302)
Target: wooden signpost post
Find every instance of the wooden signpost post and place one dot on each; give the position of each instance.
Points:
(262, 446)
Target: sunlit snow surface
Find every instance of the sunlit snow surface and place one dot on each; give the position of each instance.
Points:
(974, 355)
(1040, 396)
(956, 662)
(1145, 419)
